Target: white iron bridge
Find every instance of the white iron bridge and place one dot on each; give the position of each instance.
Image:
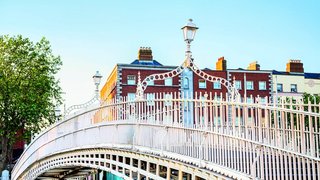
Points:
(154, 139)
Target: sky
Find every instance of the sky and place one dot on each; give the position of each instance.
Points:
(96, 35)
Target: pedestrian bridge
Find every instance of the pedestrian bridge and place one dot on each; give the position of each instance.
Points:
(179, 137)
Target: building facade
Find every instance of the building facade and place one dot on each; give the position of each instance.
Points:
(294, 81)
(251, 82)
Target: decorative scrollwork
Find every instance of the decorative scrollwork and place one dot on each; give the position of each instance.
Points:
(188, 63)
(233, 92)
(81, 106)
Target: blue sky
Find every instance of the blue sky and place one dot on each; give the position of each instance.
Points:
(95, 35)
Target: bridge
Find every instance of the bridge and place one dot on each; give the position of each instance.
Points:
(150, 139)
(181, 135)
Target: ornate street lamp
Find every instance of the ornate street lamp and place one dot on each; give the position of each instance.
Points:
(97, 79)
(189, 31)
(57, 113)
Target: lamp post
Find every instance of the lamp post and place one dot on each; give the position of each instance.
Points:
(189, 31)
(96, 79)
(57, 113)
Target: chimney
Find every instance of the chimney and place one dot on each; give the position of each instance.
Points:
(295, 66)
(145, 53)
(254, 66)
(221, 64)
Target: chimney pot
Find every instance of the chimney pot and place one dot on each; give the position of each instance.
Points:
(294, 65)
(254, 66)
(145, 53)
(221, 64)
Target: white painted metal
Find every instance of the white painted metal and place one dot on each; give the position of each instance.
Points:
(258, 140)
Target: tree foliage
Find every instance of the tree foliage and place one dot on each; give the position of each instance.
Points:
(29, 90)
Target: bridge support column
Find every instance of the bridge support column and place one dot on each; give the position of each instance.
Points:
(158, 170)
(124, 162)
(180, 175)
(117, 160)
(148, 167)
(139, 167)
(131, 164)
(168, 173)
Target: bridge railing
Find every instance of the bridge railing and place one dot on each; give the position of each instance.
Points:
(285, 124)
(257, 138)
(285, 133)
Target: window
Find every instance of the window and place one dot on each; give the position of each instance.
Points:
(216, 85)
(150, 99)
(279, 87)
(185, 83)
(249, 85)
(131, 96)
(238, 84)
(131, 80)
(202, 84)
(202, 99)
(168, 99)
(249, 100)
(294, 88)
(262, 100)
(168, 82)
(150, 83)
(262, 85)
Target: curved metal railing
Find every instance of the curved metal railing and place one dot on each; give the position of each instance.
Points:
(258, 139)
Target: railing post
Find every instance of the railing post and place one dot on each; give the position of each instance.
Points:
(163, 138)
(255, 162)
(201, 153)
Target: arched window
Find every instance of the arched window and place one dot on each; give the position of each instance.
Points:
(186, 83)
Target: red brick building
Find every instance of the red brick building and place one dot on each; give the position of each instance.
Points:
(123, 80)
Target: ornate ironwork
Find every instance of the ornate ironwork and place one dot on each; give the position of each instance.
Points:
(188, 63)
(81, 106)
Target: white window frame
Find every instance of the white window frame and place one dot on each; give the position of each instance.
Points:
(278, 85)
(168, 82)
(216, 85)
(262, 100)
(150, 99)
(238, 84)
(151, 83)
(247, 85)
(168, 99)
(185, 83)
(131, 81)
(131, 96)
(262, 85)
(249, 100)
(295, 87)
(202, 81)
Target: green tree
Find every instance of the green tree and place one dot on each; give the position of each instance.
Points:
(29, 90)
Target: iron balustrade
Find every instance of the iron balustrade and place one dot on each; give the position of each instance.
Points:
(257, 139)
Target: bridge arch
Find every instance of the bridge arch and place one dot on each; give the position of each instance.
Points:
(122, 163)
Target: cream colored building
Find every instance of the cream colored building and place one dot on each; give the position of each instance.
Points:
(294, 82)
(312, 83)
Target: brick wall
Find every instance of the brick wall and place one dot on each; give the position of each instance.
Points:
(255, 77)
(209, 85)
(156, 88)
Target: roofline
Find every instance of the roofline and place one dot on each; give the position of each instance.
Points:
(140, 66)
(112, 72)
(250, 71)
